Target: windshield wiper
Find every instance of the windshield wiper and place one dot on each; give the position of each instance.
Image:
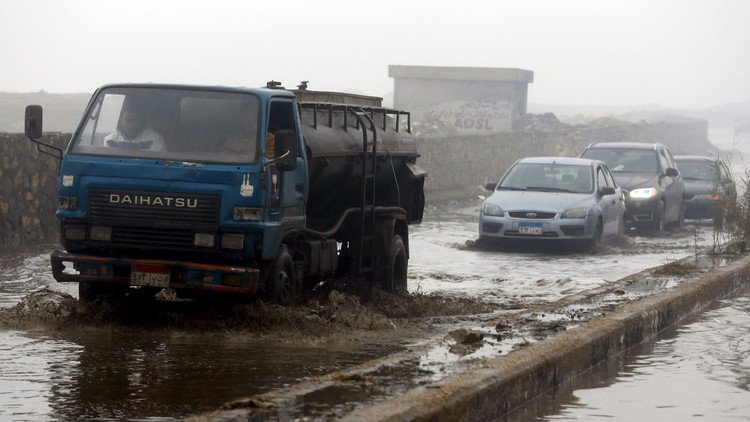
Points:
(546, 189)
(509, 188)
(695, 178)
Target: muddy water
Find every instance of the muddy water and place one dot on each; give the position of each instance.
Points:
(134, 375)
(442, 260)
(699, 371)
(119, 372)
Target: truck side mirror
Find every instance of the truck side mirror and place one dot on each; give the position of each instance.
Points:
(32, 128)
(33, 122)
(672, 172)
(286, 146)
(490, 186)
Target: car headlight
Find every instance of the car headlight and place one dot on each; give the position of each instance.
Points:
(578, 212)
(644, 193)
(490, 209)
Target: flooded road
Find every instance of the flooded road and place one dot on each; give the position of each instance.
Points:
(442, 261)
(118, 372)
(698, 371)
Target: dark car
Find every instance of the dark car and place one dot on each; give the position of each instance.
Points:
(649, 173)
(709, 188)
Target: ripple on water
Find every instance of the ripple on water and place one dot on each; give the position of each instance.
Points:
(701, 368)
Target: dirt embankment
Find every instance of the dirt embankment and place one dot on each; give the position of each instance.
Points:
(334, 313)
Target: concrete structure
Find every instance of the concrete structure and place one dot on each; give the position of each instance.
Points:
(466, 100)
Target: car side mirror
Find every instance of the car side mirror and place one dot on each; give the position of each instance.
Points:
(490, 186)
(285, 142)
(33, 122)
(607, 190)
(672, 172)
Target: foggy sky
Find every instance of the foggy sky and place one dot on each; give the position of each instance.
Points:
(675, 53)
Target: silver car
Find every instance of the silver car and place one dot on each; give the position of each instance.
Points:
(554, 198)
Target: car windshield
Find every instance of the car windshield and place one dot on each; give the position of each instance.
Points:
(624, 160)
(548, 178)
(697, 170)
(171, 124)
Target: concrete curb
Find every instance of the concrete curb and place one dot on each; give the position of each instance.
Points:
(499, 385)
(507, 382)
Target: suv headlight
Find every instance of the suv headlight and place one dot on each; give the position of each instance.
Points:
(489, 209)
(643, 193)
(577, 212)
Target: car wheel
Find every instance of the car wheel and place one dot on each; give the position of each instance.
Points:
(596, 241)
(621, 229)
(658, 223)
(680, 223)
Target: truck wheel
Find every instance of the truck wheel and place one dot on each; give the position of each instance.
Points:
(393, 272)
(280, 286)
(91, 291)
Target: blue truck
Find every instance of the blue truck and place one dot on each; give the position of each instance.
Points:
(210, 190)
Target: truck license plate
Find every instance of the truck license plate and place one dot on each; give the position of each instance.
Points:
(149, 275)
(530, 228)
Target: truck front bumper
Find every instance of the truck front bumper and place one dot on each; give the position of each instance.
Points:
(178, 275)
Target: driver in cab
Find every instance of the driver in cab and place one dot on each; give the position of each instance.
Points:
(132, 133)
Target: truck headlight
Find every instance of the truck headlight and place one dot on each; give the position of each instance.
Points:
(102, 233)
(490, 209)
(247, 214)
(577, 212)
(67, 202)
(75, 232)
(233, 241)
(644, 193)
(206, 240)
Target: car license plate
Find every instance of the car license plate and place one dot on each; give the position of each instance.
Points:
(530, 228)
(149, 275)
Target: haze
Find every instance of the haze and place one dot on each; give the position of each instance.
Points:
(680, 54)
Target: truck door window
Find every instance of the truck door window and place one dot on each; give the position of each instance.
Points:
(281, 116)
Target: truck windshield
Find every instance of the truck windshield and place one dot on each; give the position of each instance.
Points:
(171, 124)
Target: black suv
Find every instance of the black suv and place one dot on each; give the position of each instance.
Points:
(649, 173)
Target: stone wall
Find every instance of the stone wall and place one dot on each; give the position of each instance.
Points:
(28, 191)
(457, 166)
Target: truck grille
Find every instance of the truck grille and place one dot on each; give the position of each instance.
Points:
(154, 209)
(153, 238)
